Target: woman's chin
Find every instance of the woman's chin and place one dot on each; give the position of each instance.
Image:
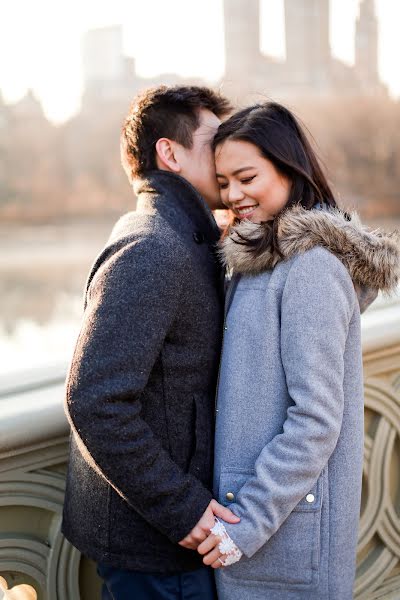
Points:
(254, 219)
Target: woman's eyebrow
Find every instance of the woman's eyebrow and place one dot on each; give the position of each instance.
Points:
(236, 172)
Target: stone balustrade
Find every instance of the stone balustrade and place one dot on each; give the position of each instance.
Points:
(378, 559)
(33, 453)
(34, 438)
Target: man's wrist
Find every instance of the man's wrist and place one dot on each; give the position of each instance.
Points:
(193, 512)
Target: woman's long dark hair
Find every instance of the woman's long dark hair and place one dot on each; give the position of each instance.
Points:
(281, 139)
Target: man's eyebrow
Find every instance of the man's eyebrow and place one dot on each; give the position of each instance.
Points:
(236, 172)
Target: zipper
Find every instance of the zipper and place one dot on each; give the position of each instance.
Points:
(228, 300)
(219, 366)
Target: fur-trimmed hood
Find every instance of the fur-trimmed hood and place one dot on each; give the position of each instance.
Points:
(371, 256)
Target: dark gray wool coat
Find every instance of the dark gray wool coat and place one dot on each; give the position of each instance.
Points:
(141, 386)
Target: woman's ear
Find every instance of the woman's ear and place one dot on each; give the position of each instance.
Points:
(165, 155)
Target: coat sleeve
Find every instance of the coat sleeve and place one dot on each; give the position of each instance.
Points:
(317, 305)
(133, 300)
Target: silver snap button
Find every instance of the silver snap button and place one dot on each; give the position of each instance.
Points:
(230, 496)
(310, 497)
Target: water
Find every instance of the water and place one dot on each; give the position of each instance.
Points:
(43, 270)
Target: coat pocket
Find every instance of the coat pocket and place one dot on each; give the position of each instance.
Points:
(202, 457)
(180, 428)
(291, 557)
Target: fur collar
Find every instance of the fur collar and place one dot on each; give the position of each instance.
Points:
(371, 257)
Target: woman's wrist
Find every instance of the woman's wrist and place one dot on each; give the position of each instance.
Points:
(227, 546)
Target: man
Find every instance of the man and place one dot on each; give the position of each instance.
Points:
(141, 386)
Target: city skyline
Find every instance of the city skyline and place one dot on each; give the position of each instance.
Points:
(53, 67)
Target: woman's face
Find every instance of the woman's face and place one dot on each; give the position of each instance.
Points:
(250, 185)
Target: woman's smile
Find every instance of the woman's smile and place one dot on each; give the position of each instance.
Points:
(244, 211)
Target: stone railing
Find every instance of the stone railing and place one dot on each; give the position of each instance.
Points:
(33, 454)
(34, 437)
(378, 572)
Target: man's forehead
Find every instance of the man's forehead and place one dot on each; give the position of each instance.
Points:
(208, 120)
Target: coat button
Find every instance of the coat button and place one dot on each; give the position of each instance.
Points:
(230, 496)
(198, 237)
(310, 497)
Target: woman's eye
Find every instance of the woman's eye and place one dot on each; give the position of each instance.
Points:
(223, 186)
(248, 179)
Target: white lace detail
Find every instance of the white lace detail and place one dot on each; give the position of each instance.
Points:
(226, 546)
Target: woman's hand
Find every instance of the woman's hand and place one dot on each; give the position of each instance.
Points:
(200, 531)
(209, 549)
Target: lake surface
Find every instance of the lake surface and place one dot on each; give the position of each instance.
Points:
(43, 270)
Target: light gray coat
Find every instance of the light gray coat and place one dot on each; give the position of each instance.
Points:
(289, 438)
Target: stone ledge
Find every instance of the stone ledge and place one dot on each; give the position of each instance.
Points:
(381, 328)
(31, 402)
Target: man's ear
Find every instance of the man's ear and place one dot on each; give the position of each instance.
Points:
(165, 155)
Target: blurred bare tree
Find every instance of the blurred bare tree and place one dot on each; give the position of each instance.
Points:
(52, 172)
(359, 143)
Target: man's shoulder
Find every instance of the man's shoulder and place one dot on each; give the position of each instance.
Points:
(141, 240)
(150, 229)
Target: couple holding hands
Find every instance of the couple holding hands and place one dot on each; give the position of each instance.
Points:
(222, 429)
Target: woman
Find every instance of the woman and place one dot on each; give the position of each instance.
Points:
(289, 439)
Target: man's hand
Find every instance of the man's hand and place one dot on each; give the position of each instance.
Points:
(202, 530)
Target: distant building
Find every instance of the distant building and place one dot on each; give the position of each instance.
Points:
(28, 109)
(309, 68)
(109, 76)
(102, 55)
(242, 39)
(308, 52)
(366, 47)
(4, 113)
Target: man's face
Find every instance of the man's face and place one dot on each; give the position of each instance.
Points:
(197, 163)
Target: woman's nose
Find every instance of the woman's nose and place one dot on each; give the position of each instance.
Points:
(235, 194)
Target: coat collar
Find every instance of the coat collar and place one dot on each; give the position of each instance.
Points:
(175, 199)
(371, 257)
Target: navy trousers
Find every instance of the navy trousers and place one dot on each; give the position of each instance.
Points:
(131, 585)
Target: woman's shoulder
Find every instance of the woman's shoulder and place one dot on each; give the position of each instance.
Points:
(341, 242)
(318, 270)
(318, 258)
(311, 262)
(320, 262)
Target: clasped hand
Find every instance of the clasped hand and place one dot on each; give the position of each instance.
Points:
(205, 542)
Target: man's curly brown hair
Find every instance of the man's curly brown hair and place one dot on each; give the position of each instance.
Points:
(164, 111)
